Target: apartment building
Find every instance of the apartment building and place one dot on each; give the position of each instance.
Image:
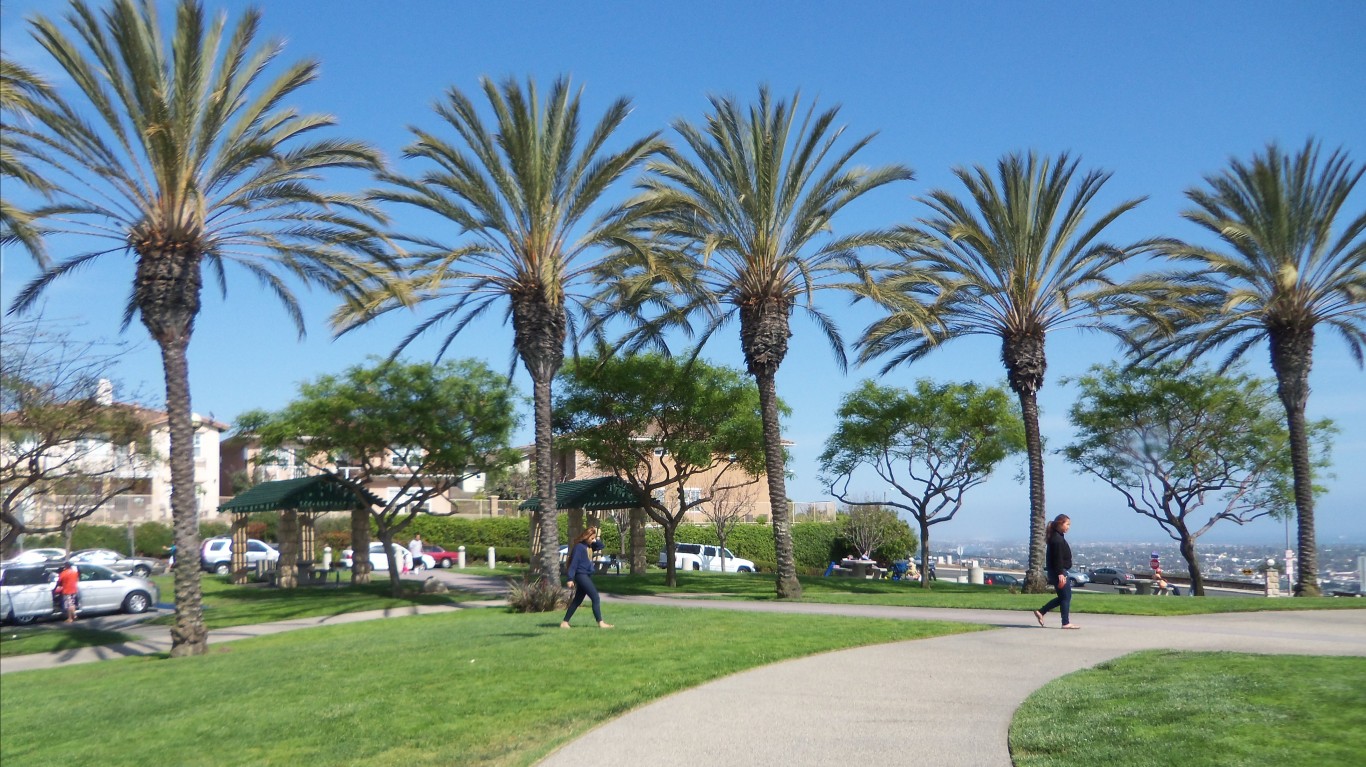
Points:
(96, 461)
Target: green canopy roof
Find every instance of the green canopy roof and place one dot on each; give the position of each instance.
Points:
(323, 492)
(597, 494)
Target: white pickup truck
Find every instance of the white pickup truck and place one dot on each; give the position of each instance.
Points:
(699, 556)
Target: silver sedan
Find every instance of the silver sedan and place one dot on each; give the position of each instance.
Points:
(135, 566)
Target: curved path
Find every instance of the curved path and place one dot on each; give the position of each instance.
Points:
(947, 700)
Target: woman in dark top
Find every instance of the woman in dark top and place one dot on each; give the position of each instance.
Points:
(580, 577)
(1058, 560)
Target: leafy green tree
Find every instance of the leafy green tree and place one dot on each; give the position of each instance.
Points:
(419, 427)
(875, 531)
(745, 227)
(521, 191)
(666, 427)
(1173, 441)
(1016, 260)
(930, 445)
(1283, 273)
(181, 154)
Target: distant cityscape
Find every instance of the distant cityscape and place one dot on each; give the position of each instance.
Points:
(1339, 564)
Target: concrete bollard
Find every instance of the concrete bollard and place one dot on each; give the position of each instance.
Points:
(975, 574)
(327, 558)
(460, 558)
(493, 561)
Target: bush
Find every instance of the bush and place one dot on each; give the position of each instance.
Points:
(536, 596)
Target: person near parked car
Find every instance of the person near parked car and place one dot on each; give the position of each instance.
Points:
(1058, 560)
(68, 583)
(415, 548)
(580, 576)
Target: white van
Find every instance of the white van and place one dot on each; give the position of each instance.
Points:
(215, 555)
(701, 556)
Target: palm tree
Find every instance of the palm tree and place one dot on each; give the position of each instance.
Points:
(744, 229)
(1016, 260)
(1284, 273)
(185, 159)
(521, 191)
(22, 94)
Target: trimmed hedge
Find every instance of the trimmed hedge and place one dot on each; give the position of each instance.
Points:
(814, 544)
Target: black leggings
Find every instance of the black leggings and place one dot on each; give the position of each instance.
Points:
(583, 586)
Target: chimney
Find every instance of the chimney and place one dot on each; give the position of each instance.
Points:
(104, 392)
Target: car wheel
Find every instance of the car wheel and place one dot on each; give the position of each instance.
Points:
(141, 571)
(744, 570)
(137, 602)
(22, 620)
(222, 568)
(1116, 582)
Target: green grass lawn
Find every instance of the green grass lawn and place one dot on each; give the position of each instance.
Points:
(25, 640)
(227, 605)
(1186, 709)
(474, 687)
(760, 586)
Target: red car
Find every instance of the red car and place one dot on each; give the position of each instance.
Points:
(443, 558)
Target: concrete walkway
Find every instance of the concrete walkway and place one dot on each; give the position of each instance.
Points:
(948, 701)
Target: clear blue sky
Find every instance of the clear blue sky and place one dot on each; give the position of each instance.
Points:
(1159, 93)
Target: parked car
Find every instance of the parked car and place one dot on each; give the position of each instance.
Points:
(1112, 576)
(440, 557)
(26, 592)
(215, 555)
(138, 566)
(1001, 579)
(697, 556)
(1077, 578)
(378, 561)
(38, 556)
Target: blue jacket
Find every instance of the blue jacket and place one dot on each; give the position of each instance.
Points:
(579, 562)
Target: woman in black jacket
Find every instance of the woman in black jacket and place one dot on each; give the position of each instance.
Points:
(1058, 561)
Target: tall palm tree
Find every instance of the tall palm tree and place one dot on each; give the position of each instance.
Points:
(743, 227)
(182, 156)
(522, 192)
(22, 94)
(1283, 274)
(1015, 260)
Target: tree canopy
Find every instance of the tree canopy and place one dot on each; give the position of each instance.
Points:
(1177, 444)
(930, 445)
(423, 427)
(678, 432)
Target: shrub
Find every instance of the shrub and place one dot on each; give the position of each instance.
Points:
(536, 596)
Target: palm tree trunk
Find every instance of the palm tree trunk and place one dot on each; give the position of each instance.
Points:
(1292, 351)
(539, 327)
(1023, 355)
(545, 562)
(1035, 583)
(188, 634)
(788, 586)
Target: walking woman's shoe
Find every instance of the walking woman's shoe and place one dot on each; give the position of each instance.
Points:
(1071, 626)
(604, 625)
(1038, 616)
(564, 624)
